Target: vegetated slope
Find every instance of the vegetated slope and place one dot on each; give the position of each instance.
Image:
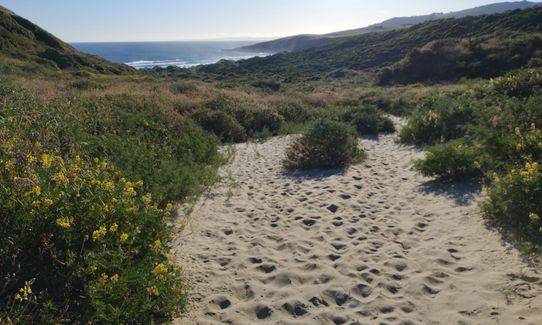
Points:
(305, 41)
(513, 38)
(28, 47)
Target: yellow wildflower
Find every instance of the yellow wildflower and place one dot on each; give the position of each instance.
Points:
(477, 165)
(153, 292)
(103, 279)
(157, 244)
(114, 228)
(10, 165)
(48, 202)
(46, 160)
(484, 189)
(517, 131)
(64, 223)
(129, 191)
(102, 231)
(92, 269)
(160, 268)
(108, 185)
(132, 209)
(115, 278)
(169, 207)
(36, 190)
(146, 199)
(24, 292)
(124, 237)
(60, 178)
(36, 203)
(534, 217)
(31, 158)
(139, 183)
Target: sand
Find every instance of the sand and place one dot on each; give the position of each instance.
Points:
(373, 244)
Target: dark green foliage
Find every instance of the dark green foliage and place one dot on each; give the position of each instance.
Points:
(450, 161)
(325, 144)
(515, 200)
(27, 44)
(225, 126)
(521, 84)
(517, 44)
(438, 119)
(267, 85)
(63, 235)
(452, 59)
(257, 121)
(397, 107)
(368, 120)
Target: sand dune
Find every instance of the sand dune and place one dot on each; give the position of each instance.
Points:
(373, 244)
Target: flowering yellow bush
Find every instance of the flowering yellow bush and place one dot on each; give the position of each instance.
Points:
(516, 199)
(77, 236)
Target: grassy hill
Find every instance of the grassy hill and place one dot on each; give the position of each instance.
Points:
(483, 46)
(27, 48)
(303, 42)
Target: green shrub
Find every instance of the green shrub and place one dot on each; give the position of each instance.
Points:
(325, 144)
(523, 83)
(79, 243)
(506, 131)
(184, 87)
(450, 161)
(296, 113)
(515, 199)
(221, 124)
(261, 120)
(368, 120)
(438, 119)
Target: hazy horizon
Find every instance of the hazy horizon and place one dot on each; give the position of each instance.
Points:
(210, 20)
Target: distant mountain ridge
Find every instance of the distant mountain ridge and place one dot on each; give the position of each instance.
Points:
(306, 41)
(26, 46)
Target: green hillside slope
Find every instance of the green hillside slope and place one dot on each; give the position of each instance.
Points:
(25, 47)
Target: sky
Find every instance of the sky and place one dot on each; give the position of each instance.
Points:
(171, 20)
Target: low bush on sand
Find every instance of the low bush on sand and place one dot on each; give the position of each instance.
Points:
(325, 144)
(368, 121)
(450, 161)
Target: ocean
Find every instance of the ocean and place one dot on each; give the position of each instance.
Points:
(142, 55)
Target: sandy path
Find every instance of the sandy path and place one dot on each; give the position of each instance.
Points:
(375, 244)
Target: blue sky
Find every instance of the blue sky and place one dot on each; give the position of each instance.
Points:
(165, 20)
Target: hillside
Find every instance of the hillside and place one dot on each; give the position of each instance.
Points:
(483, 46)
(25, 46)
(306, 41)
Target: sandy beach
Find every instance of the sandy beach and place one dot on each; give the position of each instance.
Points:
(375, 243)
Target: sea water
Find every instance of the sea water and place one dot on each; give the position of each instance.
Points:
(142, 55)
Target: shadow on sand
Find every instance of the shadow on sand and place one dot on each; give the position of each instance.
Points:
(463, 193)
(315, 174)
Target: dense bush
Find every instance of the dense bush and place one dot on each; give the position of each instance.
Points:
(259, 120)
(225, 126)
(438, 119)
(523, 83)
(325, 144)
(80, 243)
(368, 120)
(450, 161)
(515, 199)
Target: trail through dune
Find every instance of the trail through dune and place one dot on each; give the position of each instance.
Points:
(373, 244)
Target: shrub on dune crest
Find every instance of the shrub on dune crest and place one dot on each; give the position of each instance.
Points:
(325, 144)
(223, 125)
